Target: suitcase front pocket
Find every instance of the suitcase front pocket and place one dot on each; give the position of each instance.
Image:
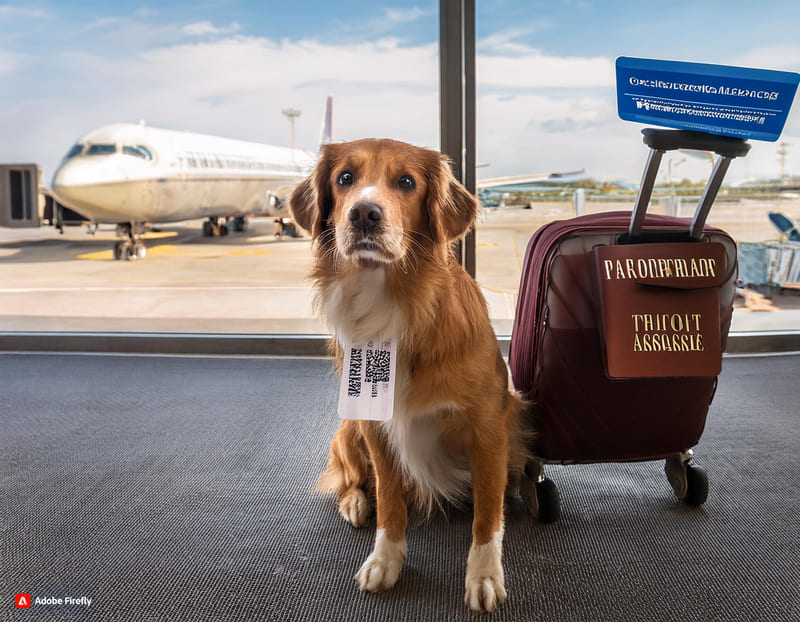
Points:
(659, 307)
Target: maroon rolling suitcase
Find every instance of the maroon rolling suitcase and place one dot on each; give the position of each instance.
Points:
(620, 325)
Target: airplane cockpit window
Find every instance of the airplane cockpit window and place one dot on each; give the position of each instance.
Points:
(74, 151)
(139, 151)
(101, 149)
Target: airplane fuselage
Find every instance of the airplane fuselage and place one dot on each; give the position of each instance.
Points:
(127, 173)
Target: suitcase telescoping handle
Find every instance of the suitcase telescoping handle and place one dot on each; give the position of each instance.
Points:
(660, 141)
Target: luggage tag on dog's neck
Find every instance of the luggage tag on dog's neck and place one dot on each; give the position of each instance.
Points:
(368, 377)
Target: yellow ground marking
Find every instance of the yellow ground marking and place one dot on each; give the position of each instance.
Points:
(516, 251)
(97, 255)
(156, 235)
(486, 244)
(171, 250)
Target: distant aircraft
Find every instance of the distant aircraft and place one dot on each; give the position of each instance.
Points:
(521, 183)
(133, 175)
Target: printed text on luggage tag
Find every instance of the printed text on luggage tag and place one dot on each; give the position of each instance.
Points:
(368, 378)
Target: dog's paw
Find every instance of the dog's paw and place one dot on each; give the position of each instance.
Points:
(485, 593)
(354, 507)
(381, 569)
(485, 581)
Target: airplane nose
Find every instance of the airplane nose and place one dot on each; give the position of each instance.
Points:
(69, 175)
(70, 182)
(89, 188)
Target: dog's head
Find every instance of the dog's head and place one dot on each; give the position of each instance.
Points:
(377, 200)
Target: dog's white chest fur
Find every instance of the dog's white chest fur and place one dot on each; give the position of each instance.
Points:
(418, 445)
(359, 308)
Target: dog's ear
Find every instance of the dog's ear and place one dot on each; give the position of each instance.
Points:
(310, 202)
(451, 209)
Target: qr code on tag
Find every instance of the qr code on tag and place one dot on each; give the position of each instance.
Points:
(367, 388)
(354, 375)
(378, 362)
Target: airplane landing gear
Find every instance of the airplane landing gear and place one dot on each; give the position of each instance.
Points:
(215, 227)
(240, 223)
(133, 247)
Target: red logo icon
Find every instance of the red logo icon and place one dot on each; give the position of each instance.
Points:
(22, 601)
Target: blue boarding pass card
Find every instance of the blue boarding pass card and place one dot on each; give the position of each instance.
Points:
(731, 101)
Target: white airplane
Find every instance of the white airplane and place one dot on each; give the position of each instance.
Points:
(134, 175)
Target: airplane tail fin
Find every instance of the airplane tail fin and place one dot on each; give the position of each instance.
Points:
(326, 129)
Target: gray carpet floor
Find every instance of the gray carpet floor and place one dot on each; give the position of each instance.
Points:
(167, 488)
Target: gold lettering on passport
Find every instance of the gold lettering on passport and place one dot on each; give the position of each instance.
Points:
(667, 332)
(668, 267)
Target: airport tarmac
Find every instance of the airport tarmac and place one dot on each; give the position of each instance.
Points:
(255, 283)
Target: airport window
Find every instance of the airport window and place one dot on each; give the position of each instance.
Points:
(101, 149)
(545, 105)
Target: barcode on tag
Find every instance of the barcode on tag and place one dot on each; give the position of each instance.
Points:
(368, 379)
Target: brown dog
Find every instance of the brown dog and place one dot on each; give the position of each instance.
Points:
(383, 215)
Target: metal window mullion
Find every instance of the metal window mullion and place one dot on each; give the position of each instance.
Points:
(457, 100)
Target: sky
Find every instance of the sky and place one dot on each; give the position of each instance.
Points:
(545, 72)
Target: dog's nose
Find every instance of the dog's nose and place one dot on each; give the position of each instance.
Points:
(365, 215)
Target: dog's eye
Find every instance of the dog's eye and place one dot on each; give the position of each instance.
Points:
(406, 182)
(345, 179)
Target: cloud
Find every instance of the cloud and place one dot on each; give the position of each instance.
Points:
(8, 61)
(504, 42)
(103, 23)
(534, 69)
(199, 29)
(780, 57)
(16, 12)
(405, 15)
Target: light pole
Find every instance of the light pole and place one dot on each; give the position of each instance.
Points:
(292, 114)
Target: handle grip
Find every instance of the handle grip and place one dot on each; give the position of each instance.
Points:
(669, 140)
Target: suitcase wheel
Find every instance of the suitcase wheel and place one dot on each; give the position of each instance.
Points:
(697, 485)
(541, 497)
(689, 482)
(549, 501)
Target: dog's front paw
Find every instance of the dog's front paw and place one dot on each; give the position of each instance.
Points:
(485, 581)
(354, 507)
(381, 569)
(485, 593)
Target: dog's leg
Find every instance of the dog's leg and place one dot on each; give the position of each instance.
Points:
(485, 581)
(381, 569)
(348, 473)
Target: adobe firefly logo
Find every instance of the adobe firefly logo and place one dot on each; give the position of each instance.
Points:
(22, 601)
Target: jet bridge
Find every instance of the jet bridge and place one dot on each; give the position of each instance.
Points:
(25, 203)
(21, 202)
